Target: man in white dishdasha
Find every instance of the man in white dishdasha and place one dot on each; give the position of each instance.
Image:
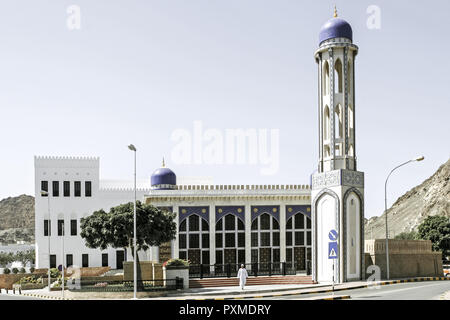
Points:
(242, 275)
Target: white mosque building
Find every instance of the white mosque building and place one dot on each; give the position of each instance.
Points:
(231, 224)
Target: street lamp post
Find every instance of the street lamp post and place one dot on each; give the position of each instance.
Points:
(133, 148)
(49, 230)
(385, 210)
(62, 253)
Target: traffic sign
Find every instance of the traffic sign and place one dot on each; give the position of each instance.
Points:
(333, 235)
(332, 250)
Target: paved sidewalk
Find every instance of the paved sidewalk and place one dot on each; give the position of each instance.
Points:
(281, 290)
(229, 293)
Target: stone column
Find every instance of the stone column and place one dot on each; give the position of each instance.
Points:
(212, 236)
(282, 233)
(248, 230)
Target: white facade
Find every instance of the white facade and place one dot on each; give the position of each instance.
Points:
(71, 207)
(278, 202)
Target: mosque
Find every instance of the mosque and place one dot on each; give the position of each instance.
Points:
(317, 227)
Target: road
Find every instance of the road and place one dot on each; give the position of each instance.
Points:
(16, 297)
(427, 290)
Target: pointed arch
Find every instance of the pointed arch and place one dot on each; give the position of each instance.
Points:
(338, 76)
(326, 78)
(326, 123)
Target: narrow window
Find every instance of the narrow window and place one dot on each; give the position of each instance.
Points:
(77, 188)
(66, 188)
(55, 188)
(73, 227)
(47, 229)
(326, 124)
(88, 188)
(338, 76)
(60, 227)
(53, 261)
(326, 78)
(69, 260)
(44, 187)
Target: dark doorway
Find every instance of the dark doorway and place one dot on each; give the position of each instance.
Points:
(120, 257)
(104, 259)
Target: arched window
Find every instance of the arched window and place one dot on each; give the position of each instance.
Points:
(326, 123)
(193, 240)
(230, 241)
(265, 243)
(326, 78)
(338, 122)
(338, 76)
(298, 241)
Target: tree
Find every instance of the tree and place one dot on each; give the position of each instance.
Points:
(407, 236)
(436, 229)
(115, 228)
(25, 256)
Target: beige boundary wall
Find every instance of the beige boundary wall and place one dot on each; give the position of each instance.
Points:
(407, 258)
(146, 270)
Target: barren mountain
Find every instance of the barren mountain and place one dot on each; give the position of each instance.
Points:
(430, 198)
(17, 219)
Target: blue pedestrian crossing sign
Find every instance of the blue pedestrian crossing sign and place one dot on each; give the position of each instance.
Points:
(332, 250)
(333, 235)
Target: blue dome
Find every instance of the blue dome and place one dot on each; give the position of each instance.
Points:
(336, 28)
(163, 178)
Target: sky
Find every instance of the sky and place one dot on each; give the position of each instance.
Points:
(87, 78)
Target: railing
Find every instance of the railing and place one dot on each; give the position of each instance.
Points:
(124, 286)
(253, 269)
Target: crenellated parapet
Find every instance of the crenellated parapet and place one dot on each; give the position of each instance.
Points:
(66, 162)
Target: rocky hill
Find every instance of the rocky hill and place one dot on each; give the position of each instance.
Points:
(430, 198)
(17, 219)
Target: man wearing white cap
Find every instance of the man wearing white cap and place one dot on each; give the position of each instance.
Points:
(242, 275)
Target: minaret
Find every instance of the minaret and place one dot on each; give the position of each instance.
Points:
(337, 188)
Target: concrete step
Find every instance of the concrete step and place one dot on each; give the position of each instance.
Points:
(264, 280)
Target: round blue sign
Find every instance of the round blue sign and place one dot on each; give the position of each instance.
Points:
(333, 235)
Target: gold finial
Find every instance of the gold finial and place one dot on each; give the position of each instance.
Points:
(335, 12)
(163, 163)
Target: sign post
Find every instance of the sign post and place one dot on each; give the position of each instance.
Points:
(333, 249)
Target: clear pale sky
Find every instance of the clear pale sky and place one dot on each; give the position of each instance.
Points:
(137, 71)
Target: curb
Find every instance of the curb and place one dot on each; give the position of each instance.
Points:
(344, 297)
(36, 295)
(249, 291)
(420, 279)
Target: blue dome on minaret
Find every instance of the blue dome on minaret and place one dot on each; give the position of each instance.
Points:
(336, 28)
(163, 178)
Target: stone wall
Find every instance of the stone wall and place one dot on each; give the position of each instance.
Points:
(407, 258)
(7, 280)
(146, 270)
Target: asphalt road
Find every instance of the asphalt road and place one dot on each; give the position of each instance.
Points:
(17, 297)
(427, 290)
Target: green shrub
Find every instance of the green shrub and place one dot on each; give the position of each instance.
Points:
(15, 270)
(176, 263)
(22, 270)
(32, 269)
(54, 273)
(6, 271)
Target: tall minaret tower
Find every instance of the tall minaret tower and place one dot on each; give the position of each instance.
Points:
(337, 188)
